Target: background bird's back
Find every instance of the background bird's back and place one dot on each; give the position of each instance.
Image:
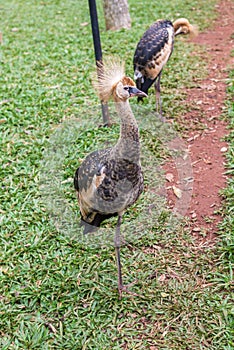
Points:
(154, 50)
(152, 53)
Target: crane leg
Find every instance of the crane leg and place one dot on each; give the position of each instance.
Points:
(117, 250)
(158, 97)
(117, 242)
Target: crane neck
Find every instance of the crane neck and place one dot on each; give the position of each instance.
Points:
(128, 144)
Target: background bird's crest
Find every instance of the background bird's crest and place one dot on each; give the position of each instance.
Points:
(183, 22)
(110, 72)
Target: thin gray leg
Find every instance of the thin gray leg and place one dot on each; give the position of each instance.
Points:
(117, 241)
(117, 250)
(158, 97)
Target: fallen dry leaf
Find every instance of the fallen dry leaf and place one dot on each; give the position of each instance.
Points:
(177, 191)
(196, 229)
(169, 177)
(207, 161)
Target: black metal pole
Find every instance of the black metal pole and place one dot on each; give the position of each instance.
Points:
(98, 51)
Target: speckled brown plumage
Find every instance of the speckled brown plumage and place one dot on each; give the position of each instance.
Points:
(106, 185)
(110, 180)
(154, 50)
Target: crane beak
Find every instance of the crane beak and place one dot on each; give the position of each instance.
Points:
(133, 91)
(179, 31)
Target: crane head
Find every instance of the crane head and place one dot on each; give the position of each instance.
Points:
(182, 26)
(112, 82)
(126, 89)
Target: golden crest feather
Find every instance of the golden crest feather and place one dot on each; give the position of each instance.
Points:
(110, 72)
(192, 29)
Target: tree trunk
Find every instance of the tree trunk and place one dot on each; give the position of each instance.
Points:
(116, 14)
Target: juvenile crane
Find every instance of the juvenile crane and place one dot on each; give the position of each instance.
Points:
(154, 50)
(110, 180)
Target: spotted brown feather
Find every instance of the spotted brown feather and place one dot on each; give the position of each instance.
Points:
(154, 50)
(150, 45)
(152, 53)
(109, 181)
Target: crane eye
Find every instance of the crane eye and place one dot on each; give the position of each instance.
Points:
(126, 88)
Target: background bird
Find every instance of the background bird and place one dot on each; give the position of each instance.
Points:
(154, 50)
(110, 180)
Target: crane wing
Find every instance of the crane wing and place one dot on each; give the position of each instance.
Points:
(107, 186)
(153, 50)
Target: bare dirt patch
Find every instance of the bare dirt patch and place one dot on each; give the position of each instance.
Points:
(207, 129)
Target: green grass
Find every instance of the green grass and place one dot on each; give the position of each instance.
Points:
(225, 274)
(58, 290)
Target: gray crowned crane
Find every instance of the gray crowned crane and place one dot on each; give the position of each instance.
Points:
(110, 180)
(154, 50)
